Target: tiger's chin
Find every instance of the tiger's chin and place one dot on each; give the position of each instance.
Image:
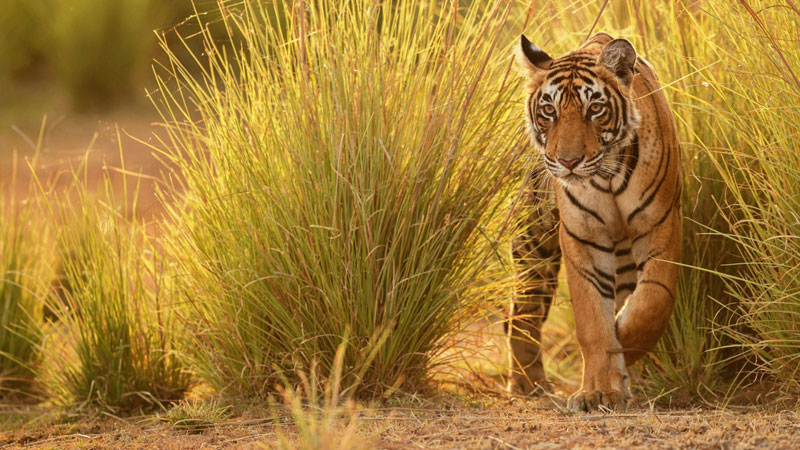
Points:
(574, 178)
(571, 179)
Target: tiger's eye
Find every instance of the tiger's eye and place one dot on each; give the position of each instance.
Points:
(596, 108)
(549, 110)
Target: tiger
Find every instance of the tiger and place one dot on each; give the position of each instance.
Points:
(606, 202)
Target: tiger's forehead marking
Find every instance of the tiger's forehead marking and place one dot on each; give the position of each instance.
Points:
(590, 92)
(584, 89)
(573, 77)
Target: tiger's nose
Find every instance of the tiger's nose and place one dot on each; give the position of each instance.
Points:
(570, 163)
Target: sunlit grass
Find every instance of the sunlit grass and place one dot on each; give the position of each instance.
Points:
(112, 345)
(334, 181)
(26, 272)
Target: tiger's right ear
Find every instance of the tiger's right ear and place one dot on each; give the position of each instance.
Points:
(531, 58)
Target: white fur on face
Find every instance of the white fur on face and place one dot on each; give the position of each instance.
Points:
(554, 94)
(550, 95)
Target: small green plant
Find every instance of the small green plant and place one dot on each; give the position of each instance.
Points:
(112, 345)
(196, 415)
(324, 418)
(26, 271)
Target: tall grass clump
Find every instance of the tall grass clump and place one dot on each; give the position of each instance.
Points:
(760, 166)
(26, 271)
(335, 172)
(112, 345)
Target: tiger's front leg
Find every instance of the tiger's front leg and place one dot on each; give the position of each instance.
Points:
(590, 265)
(645, 315)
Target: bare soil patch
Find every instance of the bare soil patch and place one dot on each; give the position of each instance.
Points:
(506, 425)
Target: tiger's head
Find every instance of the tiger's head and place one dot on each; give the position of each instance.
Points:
(579, 110)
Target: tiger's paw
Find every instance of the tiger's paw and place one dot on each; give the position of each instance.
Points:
(601, 400)
(605, 386)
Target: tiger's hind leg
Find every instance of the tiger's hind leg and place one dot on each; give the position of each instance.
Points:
(537, 256)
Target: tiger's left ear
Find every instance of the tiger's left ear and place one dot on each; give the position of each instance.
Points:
(619, 57)
(530, 58)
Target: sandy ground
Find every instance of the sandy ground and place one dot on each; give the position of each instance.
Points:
(509, 424)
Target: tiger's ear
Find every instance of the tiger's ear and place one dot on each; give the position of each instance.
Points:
(531, 58)
(619, 57)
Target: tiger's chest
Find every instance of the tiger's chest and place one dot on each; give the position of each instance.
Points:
(590, 211)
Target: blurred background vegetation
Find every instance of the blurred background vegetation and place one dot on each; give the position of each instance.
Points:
(97, 53)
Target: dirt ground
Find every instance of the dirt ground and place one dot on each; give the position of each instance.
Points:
(508, 424)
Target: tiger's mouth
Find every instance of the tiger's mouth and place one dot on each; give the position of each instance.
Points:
(574, 175)
(586, 168)
(570, 176)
